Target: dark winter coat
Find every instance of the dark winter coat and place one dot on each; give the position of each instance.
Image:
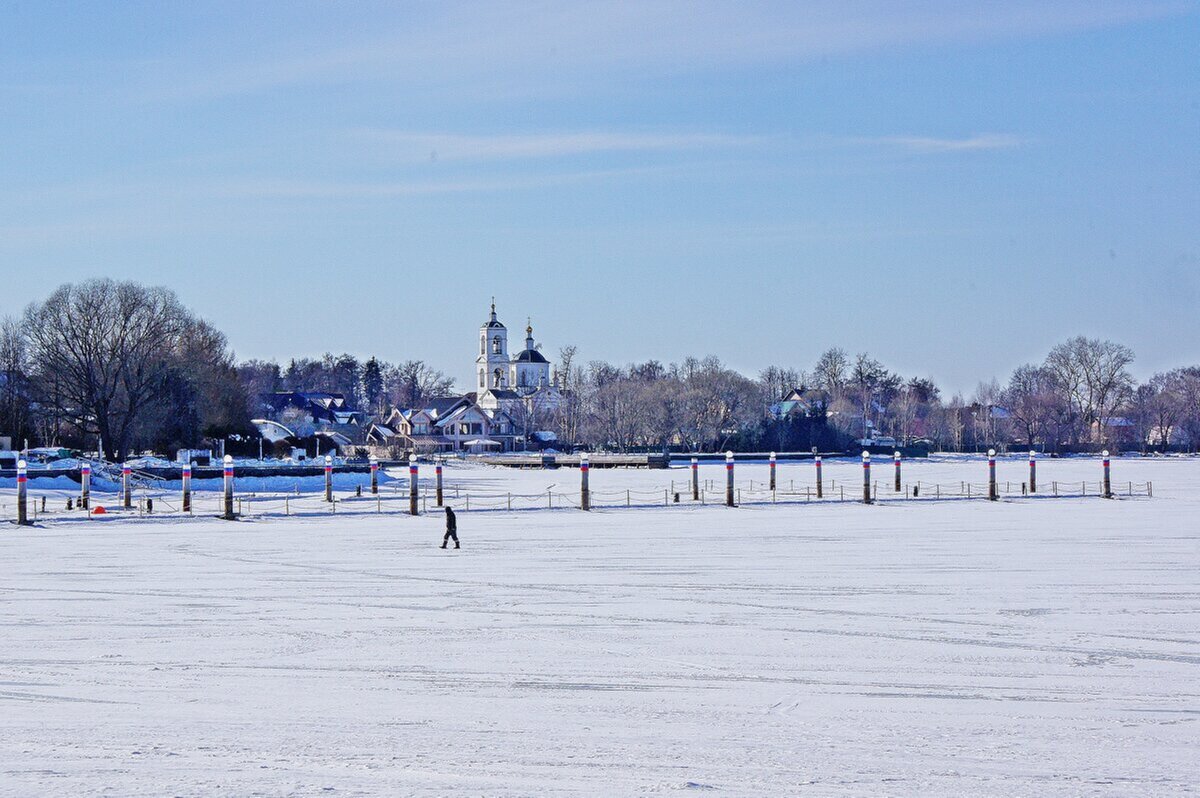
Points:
(451, 521)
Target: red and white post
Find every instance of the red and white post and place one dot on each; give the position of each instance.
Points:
(866, 458)
(126, 493)
(22, 493)
(993, 492)
(437, 471)
(772, 472)
(1032, 471)
(728, 479)
(1108, 494)
(187, 487)
(896, 460)
(695, 480)
(85, 486)
(412, 485)
(229, 516)
(374, 475)
(820, 482)
(328, 478)
(585, 495)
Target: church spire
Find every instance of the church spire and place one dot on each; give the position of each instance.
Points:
(493, 308)
(529, 333)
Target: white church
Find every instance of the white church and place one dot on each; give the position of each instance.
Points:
(514, 397)
(525, 373)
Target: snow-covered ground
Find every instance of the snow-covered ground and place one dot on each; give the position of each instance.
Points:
(1023, 647)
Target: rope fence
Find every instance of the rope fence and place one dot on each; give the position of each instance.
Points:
(157, 503)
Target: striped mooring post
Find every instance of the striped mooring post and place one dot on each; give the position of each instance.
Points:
(866, 458)
(22, 493)
(820, 488)
(993, 493)
(585, 497)
(728, 479)
(695, 480)
(412, 485)
(85, 486)
(1032, 471)
(228, 514)
(126, 493)
(328, 478)
(1108, 494)
(374, 475)
(187, 487)
(437, 471)
(772, 471)
(896, 460)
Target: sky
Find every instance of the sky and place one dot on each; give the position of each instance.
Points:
(953, 187)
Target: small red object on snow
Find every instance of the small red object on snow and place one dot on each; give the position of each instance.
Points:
(99, 510)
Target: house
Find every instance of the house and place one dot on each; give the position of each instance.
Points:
(299, 410)
(455, 424)
(798, 403)
(1117, 430)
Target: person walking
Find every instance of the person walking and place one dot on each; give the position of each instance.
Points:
(451, 529)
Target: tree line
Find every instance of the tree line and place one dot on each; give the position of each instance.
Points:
(129, 367)
(1082, 396)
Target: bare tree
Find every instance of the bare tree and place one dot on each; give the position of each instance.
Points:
(16, 392)
(1032, 401)
(568, 416)
(832, 371)
(106, 345)
(1094, 377)
(777, 382)
(411, 383)
(1155, 409)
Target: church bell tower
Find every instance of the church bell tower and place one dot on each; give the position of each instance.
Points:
(492, 364)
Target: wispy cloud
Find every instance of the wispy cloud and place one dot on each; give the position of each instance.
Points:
(927, 144)
(452, 146)
(302, 189)
(515, 47)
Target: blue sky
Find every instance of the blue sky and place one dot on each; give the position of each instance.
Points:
(953, 187)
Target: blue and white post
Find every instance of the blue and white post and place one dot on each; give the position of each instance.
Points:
(1108, 494)
(820, 488)
(695, 480)
(585, 495)
(374, 475)
(437, 474)
(896, 460)
(22, 493)
(329, 478)
(1032, 471)
(772, 472)
(187, 487)
(412, 484)
(85, 486)
(126, 494)
(993, 492)
(728, 479)
(228, 462)
(866, 457)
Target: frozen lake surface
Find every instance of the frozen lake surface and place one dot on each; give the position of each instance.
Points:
(1028, 646)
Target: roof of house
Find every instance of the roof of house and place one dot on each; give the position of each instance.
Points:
(382, 430)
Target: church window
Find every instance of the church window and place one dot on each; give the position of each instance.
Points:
(481, 382)
(496, 345)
